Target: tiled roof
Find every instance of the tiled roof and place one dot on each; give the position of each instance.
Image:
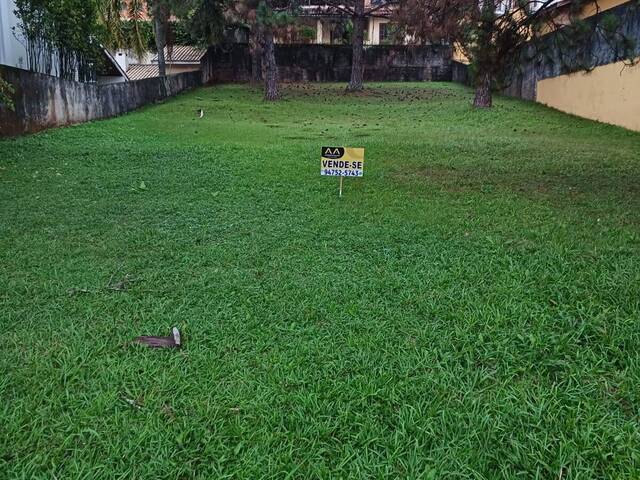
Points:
(138, 72)
(330, 10)
(182, 54)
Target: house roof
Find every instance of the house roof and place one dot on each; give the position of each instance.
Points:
(182, 54)
(137, 71)
(113, 67)
(332, 11)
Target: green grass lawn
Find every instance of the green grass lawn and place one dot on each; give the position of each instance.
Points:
(470, 308)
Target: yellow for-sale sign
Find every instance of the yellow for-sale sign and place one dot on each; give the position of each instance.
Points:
(342, 161)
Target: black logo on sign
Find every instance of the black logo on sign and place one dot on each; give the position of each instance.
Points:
(332, 152)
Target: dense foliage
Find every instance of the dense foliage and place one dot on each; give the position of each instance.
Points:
(180, 33)
(61, 36)
(65, 37)
(497, 35)
(6, 94)
(203, 25)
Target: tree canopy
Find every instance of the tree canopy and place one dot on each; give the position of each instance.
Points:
(67, 36)
(61, 35)
(495, 36)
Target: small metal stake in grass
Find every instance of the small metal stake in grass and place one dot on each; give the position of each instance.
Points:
(340, 194)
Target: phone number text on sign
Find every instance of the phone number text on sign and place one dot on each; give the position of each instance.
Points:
(341, 172)
(342, 162)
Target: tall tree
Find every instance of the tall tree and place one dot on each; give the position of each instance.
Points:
(112, 13)
(265, 18)
(161, 13)
(202, 18)
(359, 11)
(124, 22)
(111, 17)
(267, 21)
(243, 13)
(498, 35)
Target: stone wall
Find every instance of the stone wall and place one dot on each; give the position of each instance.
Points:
(550, 59)
(460, 72)
(43, 101)
(553, 73)
(332, 63)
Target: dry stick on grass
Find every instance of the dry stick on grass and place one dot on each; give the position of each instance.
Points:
(76, 291)
(120, 285)
(132, 402)
(172, 341)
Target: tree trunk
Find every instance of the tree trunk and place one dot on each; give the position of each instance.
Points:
(486, 58)
(357, 40)
(483, 98)
(161, 38)
(271, 68)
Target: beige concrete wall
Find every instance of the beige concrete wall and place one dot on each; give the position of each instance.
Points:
(373, 30)
(603, 5)
(458, 54)
(323, 33)
(610, 93)
(174, 69)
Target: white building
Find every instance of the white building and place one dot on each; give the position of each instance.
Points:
(12, 51)
(327, 22)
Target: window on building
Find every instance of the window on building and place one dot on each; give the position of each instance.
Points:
(503, 6)
(387, 32)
